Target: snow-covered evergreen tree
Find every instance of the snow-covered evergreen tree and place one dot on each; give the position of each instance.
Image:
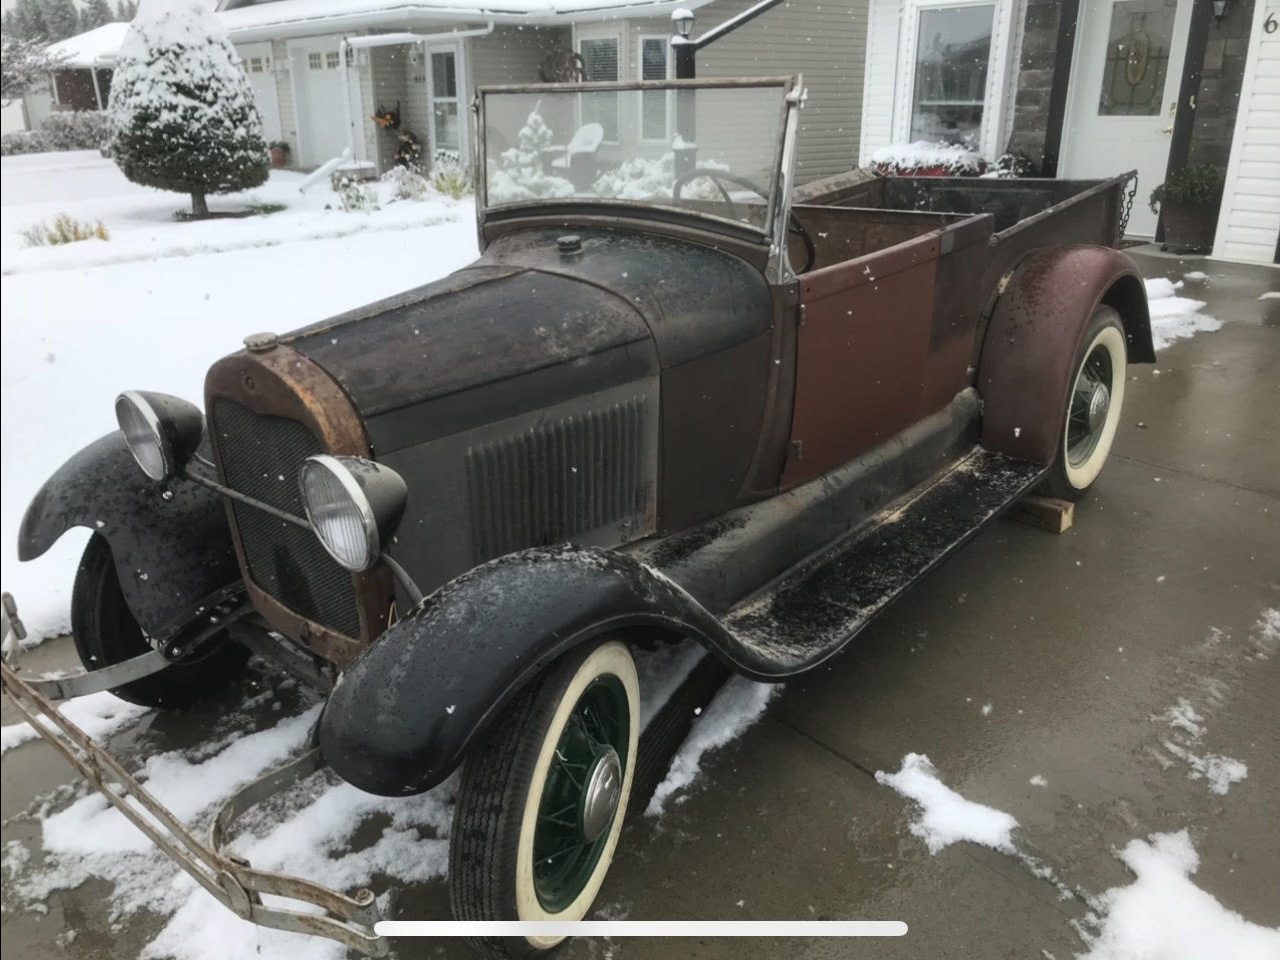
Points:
(95, 14)
(61, 18)
(183, 116)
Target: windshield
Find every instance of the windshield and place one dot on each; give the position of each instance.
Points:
(710, 150)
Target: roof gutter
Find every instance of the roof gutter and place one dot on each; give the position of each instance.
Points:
(427, 16)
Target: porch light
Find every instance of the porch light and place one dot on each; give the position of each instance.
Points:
(1219, 9)
(682, 17)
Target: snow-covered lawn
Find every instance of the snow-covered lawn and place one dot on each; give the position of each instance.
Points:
(155, 305)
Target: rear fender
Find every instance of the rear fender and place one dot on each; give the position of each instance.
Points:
(403, 715)
(1036, 328)
(170, 541)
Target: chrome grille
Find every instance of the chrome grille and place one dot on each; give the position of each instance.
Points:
(259, 456)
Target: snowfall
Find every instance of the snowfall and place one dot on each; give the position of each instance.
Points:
(151, 307)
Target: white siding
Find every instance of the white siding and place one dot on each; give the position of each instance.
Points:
(883, 28)
(1249, 222)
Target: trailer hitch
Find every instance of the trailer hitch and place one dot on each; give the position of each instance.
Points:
(232, 880)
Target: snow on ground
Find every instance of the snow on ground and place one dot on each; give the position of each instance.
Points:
(98, 714)
(945, 816)
(1174, 317)
(738, 704)
(73, 338)
(1163, 915)
(141, 224)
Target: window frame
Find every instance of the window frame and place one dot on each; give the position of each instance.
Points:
(1006, 28)
(593, 33)
(460, 97)
(668, 74)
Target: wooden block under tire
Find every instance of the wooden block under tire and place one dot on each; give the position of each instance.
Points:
(1047, 513)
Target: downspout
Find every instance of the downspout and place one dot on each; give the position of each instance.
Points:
(388, 40)
(97, 89)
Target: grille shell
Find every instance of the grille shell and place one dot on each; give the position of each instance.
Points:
(259, 455)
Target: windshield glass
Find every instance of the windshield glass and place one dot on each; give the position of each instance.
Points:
(713, 151)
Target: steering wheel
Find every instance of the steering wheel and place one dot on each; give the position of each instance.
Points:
(720, 178)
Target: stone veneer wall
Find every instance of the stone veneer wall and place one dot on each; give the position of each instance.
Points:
(1221, 75)
(1036, 63)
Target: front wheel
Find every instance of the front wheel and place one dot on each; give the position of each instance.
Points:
(106, 633)
(1093, 407)
(544, 796)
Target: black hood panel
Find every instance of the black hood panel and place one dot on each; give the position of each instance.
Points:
(527, 325)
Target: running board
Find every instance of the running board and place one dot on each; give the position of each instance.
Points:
(809, 614)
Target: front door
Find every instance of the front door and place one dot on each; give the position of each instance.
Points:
(1124, 92)
(445, 86)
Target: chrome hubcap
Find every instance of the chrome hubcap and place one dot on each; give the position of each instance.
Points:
(1099, 404)
(600, 799)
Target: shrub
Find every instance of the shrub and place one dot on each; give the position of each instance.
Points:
(1200, 184)
(357, 197)
(63, 229)
(406, 184)
(450, 175)
(65, 130)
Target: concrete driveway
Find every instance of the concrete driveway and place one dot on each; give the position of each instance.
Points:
(1079, 644)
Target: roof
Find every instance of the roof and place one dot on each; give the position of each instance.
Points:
(285, 18)
(297, 18)
(95, 47)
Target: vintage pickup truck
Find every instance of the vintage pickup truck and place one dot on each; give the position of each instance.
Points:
(668, 401)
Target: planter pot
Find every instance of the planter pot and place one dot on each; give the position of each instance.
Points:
(1188, 227)
(278, 157)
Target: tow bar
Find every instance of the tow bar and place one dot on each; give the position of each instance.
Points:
(348, 919)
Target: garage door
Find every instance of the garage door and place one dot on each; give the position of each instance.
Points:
(317, 84)
(260, 69)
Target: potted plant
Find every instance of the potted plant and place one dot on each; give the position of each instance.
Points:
(279, 151)
(1188, 202)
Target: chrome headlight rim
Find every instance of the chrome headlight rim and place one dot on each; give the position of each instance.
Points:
(140, 405)
(356, 498)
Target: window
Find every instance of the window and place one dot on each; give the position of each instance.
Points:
(600, 59)
(949, 89)
(654, 104)
(255, 65)
(331, 59)
(315, 61)
(1137, 57)
(446, 130)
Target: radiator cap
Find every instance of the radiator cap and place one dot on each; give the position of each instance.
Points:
(260, 342)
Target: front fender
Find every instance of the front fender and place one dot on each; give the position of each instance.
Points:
(404, 713)
(1028, 352)
(171, 553)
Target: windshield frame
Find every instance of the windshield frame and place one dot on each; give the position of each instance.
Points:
(787, 85)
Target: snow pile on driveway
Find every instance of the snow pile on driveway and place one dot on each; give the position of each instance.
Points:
(98, 714)
(73, 339)
(738, 704)
(1174, 317)
(945, 816)
(1162, 914)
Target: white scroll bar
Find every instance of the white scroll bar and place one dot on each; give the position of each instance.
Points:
(641, 928)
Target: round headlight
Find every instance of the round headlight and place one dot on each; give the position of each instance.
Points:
(160, 431)
(353, 505)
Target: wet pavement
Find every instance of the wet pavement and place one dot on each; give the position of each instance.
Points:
(1078, 642)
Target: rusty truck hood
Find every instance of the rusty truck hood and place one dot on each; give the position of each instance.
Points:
(528, 324)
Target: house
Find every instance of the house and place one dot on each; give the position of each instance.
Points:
(416, 65)
(1089, 88)
(85, 61)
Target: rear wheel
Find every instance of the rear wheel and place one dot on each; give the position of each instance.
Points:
(1093, 407)
(105, 633)
(544, 796)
